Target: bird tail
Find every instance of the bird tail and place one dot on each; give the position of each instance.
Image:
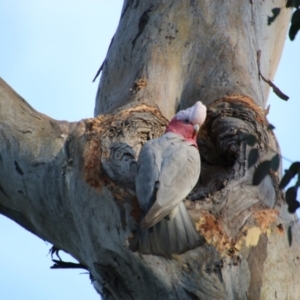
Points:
(169, 236)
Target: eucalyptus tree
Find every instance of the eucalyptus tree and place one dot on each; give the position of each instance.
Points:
(73, 184)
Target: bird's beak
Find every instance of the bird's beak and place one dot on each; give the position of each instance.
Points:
(196, 129)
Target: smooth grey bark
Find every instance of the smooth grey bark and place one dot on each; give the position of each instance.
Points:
(187, 50)
(72, 184)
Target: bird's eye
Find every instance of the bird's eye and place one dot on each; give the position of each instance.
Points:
(186, 121)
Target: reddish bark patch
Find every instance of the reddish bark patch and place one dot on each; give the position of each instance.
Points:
(136, 212)
(92, 172)
(245, 103)
(106, 127)
(138, 84)
(265, 218)
(211, 229)
(235, 106)
(210, 224)
(280, 229)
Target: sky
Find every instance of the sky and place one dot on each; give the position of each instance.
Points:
(49, 54)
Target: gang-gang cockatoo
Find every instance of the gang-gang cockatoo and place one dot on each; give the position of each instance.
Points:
(167, 170)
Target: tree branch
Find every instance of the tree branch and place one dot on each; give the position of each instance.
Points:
(72, 184)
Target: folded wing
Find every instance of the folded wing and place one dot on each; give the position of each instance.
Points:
(168, 169)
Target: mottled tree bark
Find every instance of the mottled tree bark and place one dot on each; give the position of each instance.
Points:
(72, 184)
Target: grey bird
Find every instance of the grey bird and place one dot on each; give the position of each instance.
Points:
(167, 170)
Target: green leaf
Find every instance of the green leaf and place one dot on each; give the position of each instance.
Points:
(295, 24)
(252, 157)
(275, 162)
(290, 236)
(293, 207)
(290, 197)
(298, 180)
(293, 3)
(295, 168)
(275, 12)
(261, 172)
(289, 174)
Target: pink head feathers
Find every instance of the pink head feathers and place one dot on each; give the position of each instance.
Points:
(187, 122)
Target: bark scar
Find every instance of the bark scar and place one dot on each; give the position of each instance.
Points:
(3, 191)
(18, 168)
(142, 24)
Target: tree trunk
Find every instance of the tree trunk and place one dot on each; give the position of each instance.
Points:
(72, 184)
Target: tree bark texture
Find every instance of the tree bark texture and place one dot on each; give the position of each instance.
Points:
(72, 184)
(171, 53)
